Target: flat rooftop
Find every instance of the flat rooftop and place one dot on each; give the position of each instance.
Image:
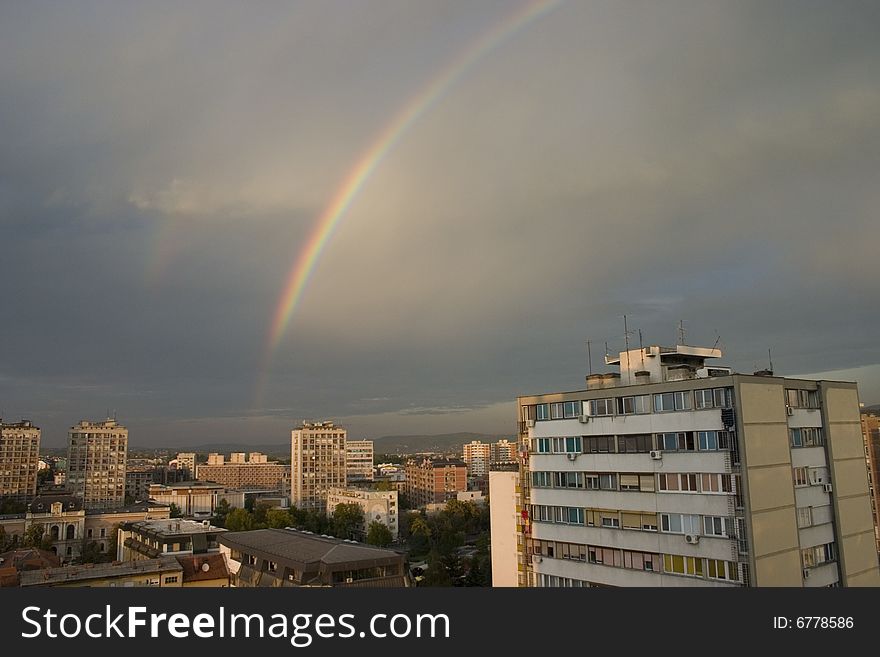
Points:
(99, 571)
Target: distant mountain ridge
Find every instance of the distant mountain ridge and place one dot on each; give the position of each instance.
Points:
(403, 444)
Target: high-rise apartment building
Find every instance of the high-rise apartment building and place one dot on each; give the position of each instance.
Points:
(255, 473)
(187, 461)
(317, 463)
(503, 451)
(871, 436)
(434, 481)
(477, 456)
(675, 473)
(96, 463)
(359, 461)
(19, 459)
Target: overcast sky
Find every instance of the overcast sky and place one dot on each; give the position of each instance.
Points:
(162, 166)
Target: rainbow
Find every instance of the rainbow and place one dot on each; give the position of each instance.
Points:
(366, 165)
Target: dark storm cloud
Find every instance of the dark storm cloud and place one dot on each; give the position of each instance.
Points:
(162, 166)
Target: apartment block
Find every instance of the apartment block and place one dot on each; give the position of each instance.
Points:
(380, 506)
(96, 460)
(434, 481)
(672, 472)
(254, 473)
(358, 461)
(150, 539)
(186, 461)
(196, 498)
(871, 436)
(477, 456)
(19, 459)
(503, 451)
(317, 463)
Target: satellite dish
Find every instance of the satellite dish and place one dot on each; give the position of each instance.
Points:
(205, 567)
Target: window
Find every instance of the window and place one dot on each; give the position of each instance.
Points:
(722, 569)
(601, 407)
(608, 481)
(816, 556)
(610, 519)
(598, 444)
(635, 404)
(802, 398)
(679, 565)
(678, 523)
(541, 479)
(800, 477)
(708, 440)
(678, 441)
(637, 444)
(664, 402)
(722, 397)
(171, 580)
(592, 481)
(629, 482)
(683, 400)
(542, 412)
(818, 476)
(806, 437)
(573, 445)
(571, 409)
(703, 398)
(714, 526)
(543, 445)
(805, 516)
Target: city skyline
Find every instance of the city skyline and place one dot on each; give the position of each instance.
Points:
(219, 222)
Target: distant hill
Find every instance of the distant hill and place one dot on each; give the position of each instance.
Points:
(444, 442)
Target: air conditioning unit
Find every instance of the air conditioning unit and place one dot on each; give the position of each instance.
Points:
(693, 539)
(530, 423)
(584, 419)
(656, 454)
(539, 559)
(571, 456)
(806, 573)
(789, 410)
(828, 488)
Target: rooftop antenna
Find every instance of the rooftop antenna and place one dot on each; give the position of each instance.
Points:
(626, 343)
(770, 358)
(641, 349)
(681, 331)
(589, 358)
(717, 339)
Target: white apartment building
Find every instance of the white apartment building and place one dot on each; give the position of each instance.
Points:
(358, 461)
(96, 460)
(477, 455)
(675, 473)
(19, 459)
(377, 505)
(317, 463)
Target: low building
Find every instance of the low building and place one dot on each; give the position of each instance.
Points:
(475, 496)
(196, 498)
(287, 557)
(19, 560)
(377, 505)
(163, 572)
(148, 539)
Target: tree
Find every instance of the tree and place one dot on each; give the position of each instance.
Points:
(346, 520)
(220, 512)
(419, 536)
(33, 537)
(385, 486)
(175, 511)
(260, 510)
(278, 518)
(239, 520)
(378, 534)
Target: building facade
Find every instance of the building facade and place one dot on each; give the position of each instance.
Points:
(675, 473)
(477, 456)
(871, 436)
(196, 498)
(503, 451)
(358, 461)
(434, 481)
(317, 463)
(19, 460)
(186, 461)
(255, 473)
(377, 505)
(96, 460)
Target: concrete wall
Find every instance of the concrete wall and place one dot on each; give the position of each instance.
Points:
(502, 517)
(849, 477)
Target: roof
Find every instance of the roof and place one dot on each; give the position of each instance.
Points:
(305, 548)
(99, 571)
(43, 503)
(171, 527)
(137, 507)
(28, 559)
(203, 567)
